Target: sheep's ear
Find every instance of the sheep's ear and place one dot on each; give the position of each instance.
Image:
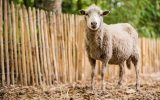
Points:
(82, 12)
(106, 12)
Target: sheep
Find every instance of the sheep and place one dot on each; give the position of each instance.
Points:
(111, 44)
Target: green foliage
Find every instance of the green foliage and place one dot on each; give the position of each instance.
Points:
(150, 19)
(25, 2)
(142, 14)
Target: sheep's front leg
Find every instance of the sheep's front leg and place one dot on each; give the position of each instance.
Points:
(103, 75)
(93, 63)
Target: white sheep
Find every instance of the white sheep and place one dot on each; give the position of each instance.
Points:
(111, 44)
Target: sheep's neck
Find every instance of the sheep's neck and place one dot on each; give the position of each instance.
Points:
(95, 37)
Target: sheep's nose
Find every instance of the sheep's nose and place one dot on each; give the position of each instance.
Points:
(94, 23)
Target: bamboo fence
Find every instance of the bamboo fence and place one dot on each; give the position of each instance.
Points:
(39, 47)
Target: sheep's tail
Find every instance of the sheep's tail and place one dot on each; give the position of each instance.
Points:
(128, 63)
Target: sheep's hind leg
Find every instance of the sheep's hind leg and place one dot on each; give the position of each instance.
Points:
(121, 74)
(135, 62)
(103, 75)
(137, 76)
(93, 63)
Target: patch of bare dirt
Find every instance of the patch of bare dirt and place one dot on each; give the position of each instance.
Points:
(149, 90)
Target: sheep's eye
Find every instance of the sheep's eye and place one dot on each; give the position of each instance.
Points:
(87, 14)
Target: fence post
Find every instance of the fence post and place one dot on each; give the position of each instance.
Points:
(23, 47)
(10, 31)
(6, 40)
(14, 41)
(44, 47)
(1, 45)
(37, 47)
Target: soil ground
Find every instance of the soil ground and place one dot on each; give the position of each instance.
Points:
(149, 90)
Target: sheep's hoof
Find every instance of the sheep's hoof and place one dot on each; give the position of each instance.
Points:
(103, 88)
(137, 90)
(119, 85)
(92, 87)
(137, 87)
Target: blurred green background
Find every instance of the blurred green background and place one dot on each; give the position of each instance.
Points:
(144, 15)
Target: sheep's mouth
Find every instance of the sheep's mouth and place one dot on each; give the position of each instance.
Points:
(93, 27)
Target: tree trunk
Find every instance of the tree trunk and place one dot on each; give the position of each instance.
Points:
(58, 6)
(50, 5)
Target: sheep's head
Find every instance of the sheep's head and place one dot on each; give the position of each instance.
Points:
(94, 17)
